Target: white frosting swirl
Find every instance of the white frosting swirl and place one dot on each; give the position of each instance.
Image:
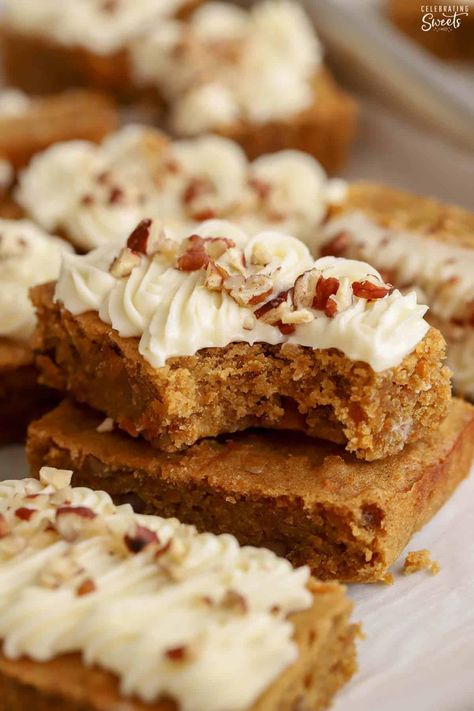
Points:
(28, 256)
(13, 103)
(232, 64)
(205, 622)
(102, 26)
(61, 189)
(175, 314)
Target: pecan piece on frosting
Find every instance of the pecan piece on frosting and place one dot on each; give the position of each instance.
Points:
(235, 602)
(138, 240)
(215, 276)
(124, 263)
(86, 587)
(325, 289)
(71, 521)
(198, 251)
(24, 513)
(140, 539)
(336, 246)
(305, 289)
(368, 290)
(275, 310)
(248, 291)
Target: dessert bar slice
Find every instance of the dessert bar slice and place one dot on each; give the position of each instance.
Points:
(178, 342)
(104, 608)
(416, 243)
(27, 256)
(305, 499)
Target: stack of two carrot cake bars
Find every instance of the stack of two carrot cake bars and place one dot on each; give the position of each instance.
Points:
(171, 351)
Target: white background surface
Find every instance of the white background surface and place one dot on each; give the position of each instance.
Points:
(418, 654)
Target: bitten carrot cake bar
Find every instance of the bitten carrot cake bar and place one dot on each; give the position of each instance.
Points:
(103, 608)
(416, 243)
(28, 256)
(306, 499)
(93, 193)
(49, 46)
(221, 332)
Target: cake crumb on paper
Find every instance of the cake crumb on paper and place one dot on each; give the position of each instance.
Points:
(420, 560)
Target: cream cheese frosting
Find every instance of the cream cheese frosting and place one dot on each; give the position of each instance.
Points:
(221, 286)
(95, 194)
(170, 612)
(228, 64)
(28, 256)
(102, 26)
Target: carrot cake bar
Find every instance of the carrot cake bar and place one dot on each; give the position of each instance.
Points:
(416, 243)
(306, 499)
(227, 68)
(27, 256)
(103, 608)
(92, 194)
(178, 341)
(49, 46)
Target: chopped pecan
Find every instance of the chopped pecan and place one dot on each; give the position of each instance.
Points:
(124, 263)
(86, 587)
(305, 289)
(325, 288)
(234, 601)
(24, 513)
(182, 653)
(273, 311)
(196, 188)
(215, 276)
(140, 539)
(138, 240)
(250, 290)
(72, 520)
(336, 246)
(194, 257)
(368, 290)
(204, 214)
(115, 195)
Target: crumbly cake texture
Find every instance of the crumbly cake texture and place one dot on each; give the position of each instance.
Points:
(457, 43)
(39, 65)
(305, 499)
(304, 652)
(21, 398)
(416, 561)
(220, 390)
(326, 129)
(79, 114)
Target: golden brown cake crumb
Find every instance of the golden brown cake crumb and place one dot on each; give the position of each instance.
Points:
(420, 560)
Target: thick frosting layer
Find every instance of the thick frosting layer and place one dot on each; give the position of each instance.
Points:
(13, 103)
(97, 193)
(28, 256)
(103, 26)
(169, 611)
(228, 64)
(220, 286)
(443, 272)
